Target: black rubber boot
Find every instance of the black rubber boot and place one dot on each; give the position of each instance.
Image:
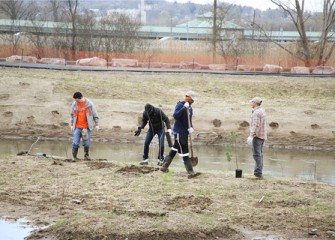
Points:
(189, 167)
(167, 161)
(74, 154)
(86, 156)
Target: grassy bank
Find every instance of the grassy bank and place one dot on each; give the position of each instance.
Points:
(300, 111)
(105, 200)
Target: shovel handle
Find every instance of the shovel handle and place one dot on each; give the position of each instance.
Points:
(168, 138)
(189, 126)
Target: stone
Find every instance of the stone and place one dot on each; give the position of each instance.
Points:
(17, 58)
(245, 68)
(272, 68)
(95, 61)
(55, 61)
(300, 70)
(222, 67)
(189, 65)
(124, 62)
(324, 70)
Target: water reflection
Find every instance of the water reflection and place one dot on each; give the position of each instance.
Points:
(303, 164)
(14, 231)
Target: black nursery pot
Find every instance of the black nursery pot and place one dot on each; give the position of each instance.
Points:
(238, 173)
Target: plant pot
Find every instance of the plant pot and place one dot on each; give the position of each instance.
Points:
(238, 173)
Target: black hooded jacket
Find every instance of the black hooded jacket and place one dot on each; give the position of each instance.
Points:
(155, 117)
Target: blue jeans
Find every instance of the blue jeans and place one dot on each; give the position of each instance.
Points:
(77, 136)
(148, 138)
(257, 151)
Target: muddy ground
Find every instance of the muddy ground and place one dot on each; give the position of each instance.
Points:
(105, 200)
(102, 199)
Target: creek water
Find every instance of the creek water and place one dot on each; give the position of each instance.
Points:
(308, 165)
(17, 230)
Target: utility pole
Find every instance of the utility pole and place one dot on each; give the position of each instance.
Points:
(253, 25)
(214, 30)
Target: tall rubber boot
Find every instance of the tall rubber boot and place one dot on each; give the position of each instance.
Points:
(86, 156)
(74, 154)
(189, 167)
(167, 161)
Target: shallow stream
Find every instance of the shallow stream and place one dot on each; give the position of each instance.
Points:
(309, 165)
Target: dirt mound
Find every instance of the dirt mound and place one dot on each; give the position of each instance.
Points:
(137, 169)
(100, 163)
(189, 202)
(274, 125)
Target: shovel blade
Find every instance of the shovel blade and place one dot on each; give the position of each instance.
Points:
(194, 161)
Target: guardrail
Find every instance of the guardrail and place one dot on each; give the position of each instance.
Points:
(192, 34)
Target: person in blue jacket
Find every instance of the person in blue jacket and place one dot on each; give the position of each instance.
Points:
(182, 128)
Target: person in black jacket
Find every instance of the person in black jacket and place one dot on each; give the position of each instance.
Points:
(156, 119)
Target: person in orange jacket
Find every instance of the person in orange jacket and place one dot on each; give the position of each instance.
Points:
(84, 118)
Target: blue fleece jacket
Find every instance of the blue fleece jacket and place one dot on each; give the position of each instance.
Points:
(180, 117)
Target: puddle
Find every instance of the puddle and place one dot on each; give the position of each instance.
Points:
(15, 230)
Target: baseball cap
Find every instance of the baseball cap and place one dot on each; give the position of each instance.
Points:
(192, 95)
(256, 100)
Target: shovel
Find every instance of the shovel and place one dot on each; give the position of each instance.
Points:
(168, 139)
(194, 160)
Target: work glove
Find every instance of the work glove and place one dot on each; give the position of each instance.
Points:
(170, 131)
(97, 127)
(138, 132)
(187, 104)
(249, 140)
(72, 128)
(190, 130)
(84, 134)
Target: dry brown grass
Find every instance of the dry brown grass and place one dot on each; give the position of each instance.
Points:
(106, 200)
(173, 52)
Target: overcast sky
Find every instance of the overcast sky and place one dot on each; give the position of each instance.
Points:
(313, 5)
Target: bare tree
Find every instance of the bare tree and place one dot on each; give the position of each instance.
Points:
(72, 7)
(328, 22)
(52, 10)
(56, 7)
(86, 28)
(18, 9)
(225, 41)
(143, 46)
(307, 50)
(120, 32)
(215, 27)
(61, 39)
(38, 38)
(13, 40)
